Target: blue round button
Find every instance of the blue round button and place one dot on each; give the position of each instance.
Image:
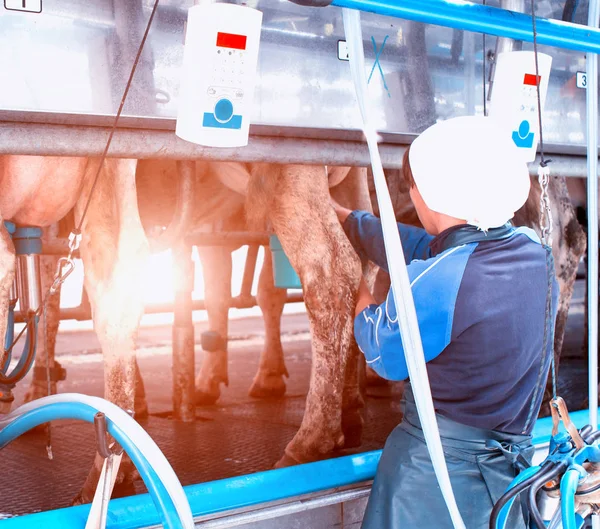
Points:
(223, 110)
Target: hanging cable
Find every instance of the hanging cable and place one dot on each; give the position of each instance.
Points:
(65, 264)
(543, 162)
(77, 230)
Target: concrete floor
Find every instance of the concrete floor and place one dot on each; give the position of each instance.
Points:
(238, 435)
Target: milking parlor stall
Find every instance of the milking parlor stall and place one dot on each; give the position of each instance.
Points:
(176, 292)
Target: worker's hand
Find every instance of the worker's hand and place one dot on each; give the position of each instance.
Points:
(341, 212)
(364, 298)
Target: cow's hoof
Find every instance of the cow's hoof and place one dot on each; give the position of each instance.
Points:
(83, 497)
(206, 399)
(123, 490)
(38, 390)
(267, 387)
(352, 432)
(141, 412)
(286, 461)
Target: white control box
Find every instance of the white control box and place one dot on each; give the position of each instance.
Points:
(219, 74)
(514, 101)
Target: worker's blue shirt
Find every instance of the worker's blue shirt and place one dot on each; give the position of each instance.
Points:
(481, 312)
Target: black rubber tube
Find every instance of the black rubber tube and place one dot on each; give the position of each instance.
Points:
(312, 3)
(593, 437)
(585, 431)
(568, 14)
(18, 375)
(517, 489)
(537, 485)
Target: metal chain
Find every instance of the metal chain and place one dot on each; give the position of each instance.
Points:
(545, 210)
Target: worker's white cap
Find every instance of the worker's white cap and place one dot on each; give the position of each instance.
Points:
(469, 169)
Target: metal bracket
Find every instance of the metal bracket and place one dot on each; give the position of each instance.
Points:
(560, 412)
(101, 442)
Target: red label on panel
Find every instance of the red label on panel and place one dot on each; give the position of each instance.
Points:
(530, 79)
(230, 40)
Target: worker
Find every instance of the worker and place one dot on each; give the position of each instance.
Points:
(480, 288)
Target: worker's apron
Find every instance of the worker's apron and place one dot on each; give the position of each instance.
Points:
(482, 463)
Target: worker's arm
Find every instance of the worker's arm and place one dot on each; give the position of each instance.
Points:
(364, 298)
(366, 236)
(435, 283)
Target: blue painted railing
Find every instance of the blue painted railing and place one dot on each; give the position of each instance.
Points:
(243, 491)
(483, 19)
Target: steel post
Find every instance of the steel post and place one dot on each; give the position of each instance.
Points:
(184, 407)
(249, 270)
(503, 44)
(592, 210)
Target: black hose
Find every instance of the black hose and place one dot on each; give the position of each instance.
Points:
(537, 485)
(585, 431)
(568, 14)
(592, 437)
(517, 489)
(312, 3)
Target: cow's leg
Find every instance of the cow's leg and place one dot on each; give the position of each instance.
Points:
(297, 201)
(47, 328)
(353, 193)
(7, 277)
(268, 381)
(568, 248)
(114, 250)
(216, 268)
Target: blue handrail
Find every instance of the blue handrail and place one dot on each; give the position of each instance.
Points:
(483, 19)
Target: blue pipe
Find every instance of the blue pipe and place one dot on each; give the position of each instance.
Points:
(81, 411)
(218, 496)
(504, 512)
(568, 486)
(483, 19)
(10, 327)
(9, 337)
(26, 359)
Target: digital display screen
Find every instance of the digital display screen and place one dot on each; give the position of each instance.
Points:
(530, 79)
(230, 40)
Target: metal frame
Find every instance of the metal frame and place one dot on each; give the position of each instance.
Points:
(40, 139)
(245, 300)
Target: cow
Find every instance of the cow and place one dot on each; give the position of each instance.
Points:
(292, 198)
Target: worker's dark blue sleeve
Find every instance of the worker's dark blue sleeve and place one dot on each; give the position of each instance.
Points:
(366, 236)
(435, 284)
